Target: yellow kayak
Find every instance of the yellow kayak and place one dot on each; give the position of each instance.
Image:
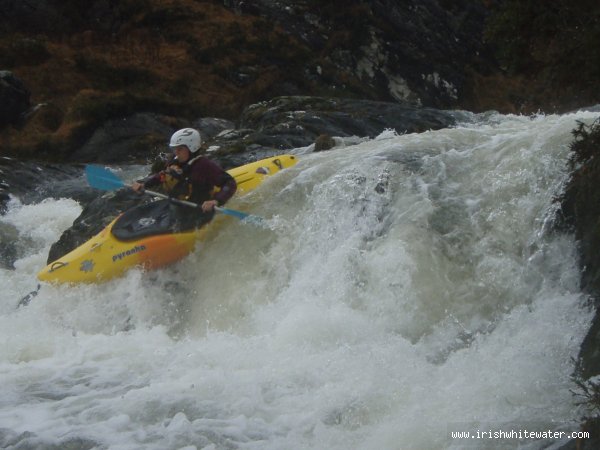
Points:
(104, 256)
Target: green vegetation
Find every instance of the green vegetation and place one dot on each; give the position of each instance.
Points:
(556, 41)
(587, 143)
(588, 393)
(581, 200)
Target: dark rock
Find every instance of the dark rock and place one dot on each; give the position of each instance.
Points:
(591, 426)
(4, 198)
(141, 138)
(580, 208)
(589, 353)
(136, 138)
(14, 100)
(32, 182)
(8, 247)
(410, 51)
(94, 217)
(287, 122)
(12, 245)
(324, 142)
(209, 127)
(274, 127)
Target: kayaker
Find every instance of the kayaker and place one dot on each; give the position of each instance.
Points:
(192, 177)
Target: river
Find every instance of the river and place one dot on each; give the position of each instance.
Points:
(407, 286)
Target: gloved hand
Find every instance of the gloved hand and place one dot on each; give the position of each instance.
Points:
(209, 205)
(138, 187)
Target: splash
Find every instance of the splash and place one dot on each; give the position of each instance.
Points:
(405, 286)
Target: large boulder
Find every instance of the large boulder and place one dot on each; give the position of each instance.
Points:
(299, 120)
(284, 123)
(140, 138)
(264, 129)
(32, 182)
(136, 138)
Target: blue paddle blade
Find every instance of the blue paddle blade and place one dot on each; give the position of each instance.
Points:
(101, 178)
(241, 215)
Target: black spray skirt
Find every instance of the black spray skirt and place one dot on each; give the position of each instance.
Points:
(158, 217)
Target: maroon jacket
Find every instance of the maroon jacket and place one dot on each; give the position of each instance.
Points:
(200, 176)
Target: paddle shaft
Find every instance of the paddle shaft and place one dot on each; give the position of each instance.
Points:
(238, 214)
(174, 200)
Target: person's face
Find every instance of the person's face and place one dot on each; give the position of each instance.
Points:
(182, 152)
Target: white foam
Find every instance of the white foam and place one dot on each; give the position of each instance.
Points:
(406, 286)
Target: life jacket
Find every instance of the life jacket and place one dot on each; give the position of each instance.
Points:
(180, 186)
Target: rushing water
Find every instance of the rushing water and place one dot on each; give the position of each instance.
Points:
(409, 286)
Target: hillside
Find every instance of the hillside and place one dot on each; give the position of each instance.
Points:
(87, 62)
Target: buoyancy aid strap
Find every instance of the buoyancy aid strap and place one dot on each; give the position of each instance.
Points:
(191, 161)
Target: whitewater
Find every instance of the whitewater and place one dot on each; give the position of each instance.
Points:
(407, 287)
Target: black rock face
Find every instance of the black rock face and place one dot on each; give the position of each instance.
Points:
(14, 100)
(581, 215)
(407, 51)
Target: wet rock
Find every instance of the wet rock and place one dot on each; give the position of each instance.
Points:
(141, 138)
(283, 123)
(4, 198)
(136, 138)
(264, 129)
(94, 217)
(12, 245)
(8, 249)
(209, 127)
(324, 142)
(288, 122)
(32, 182)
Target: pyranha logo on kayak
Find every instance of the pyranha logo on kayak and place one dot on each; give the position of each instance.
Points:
(131, 251)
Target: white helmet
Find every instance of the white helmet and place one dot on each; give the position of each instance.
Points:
(188, 137)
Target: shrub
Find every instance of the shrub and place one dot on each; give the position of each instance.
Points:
(552, 37)
(587, 142)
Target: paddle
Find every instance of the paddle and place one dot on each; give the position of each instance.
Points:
(102, 178)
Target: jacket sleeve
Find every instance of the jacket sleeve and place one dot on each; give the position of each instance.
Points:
(210, 172)
(228, 187)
